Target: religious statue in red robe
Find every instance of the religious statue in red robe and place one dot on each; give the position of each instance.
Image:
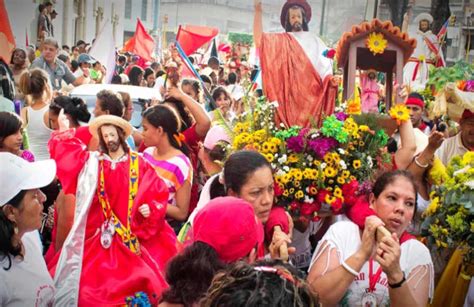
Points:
(120, 218)
(294, 70)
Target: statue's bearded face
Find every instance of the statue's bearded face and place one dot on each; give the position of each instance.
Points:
(111, 138)
(424, 25)
(295, 16)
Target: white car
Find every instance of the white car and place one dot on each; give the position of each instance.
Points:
(140, 97)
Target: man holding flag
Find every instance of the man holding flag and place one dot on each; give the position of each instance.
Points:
(427, 54)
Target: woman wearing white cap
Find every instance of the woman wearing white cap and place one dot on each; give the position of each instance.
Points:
(24, 279)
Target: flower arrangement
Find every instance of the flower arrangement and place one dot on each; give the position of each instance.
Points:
(449, 219)
(316, 170)
(376, 43)
(400, 113)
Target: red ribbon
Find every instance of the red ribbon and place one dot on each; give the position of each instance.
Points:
(373, 278)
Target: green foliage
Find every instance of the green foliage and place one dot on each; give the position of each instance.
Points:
(242, 38)
(459, 71)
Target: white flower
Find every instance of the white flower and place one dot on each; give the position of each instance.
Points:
(280, 173)
(274, 103)
(469, 184)
(323, 165)
(343, 164)
(286, 168)
(282, 159)
(308, 199)
(369, 162)
(310, 158)
(341, 151)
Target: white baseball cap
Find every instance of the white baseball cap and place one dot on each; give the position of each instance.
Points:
(17, 174)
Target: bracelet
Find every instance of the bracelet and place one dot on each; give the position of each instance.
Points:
(349, 269)
(419, 164)
(398, 284)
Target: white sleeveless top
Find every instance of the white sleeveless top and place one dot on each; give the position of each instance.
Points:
(38, 133)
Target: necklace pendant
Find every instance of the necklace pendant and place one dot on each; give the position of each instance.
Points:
(369, 300)
(108, 231)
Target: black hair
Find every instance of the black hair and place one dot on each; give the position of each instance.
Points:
(133, 74)
(194, 84)
(7, 230)
(75, 107)
(122, 59)
(15, 51)
(219, 152)
(46, 4)
(190, 273)
(10, 123)
(165, 117)
(288, 27)
(116, 80)
(65, 47)
(160, 73)
(213, 60)
(265, 283)
(34, 82)
(232, 78)
(112, 102)
(206, 79)
(186, 119)
(237, 169)
(74, 65)
(416, 95)
(148, 71)
(63, 57)
(218, 91)
(41, 7)
(387, 178)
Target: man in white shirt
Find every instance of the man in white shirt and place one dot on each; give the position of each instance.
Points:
(461, 142)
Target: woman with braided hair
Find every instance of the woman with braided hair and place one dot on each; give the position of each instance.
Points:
(265, 283)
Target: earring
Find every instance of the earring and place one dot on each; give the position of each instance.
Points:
(15, 229)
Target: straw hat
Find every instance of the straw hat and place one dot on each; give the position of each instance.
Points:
(97, 122)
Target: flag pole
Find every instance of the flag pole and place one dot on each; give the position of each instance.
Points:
(188, 63)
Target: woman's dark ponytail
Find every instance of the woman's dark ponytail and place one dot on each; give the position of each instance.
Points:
(7, 231)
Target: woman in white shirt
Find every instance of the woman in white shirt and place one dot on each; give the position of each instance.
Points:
(351, 268)
(24, 278)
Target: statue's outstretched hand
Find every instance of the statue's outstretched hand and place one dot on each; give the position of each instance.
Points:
(257, 4)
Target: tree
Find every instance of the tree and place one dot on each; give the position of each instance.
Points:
(397, 8)
(440, 12)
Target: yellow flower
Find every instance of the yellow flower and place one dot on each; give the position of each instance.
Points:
(297, 183)
(257, 147)
(330, 172)
(285, 178)
(286, 193)
(338, 192)
(293, 158)
(400, 113)
(317, 163)
(259, 135)
(313, 190)
(329, 199)
(364, 128)
(328, 158)
(275, 141)
(376, 43)
(352, 177)
(437, 173)
(422, 58)
(292, 190)
(345, 174)
(468, 158)
(336, 158)
(356, 164)
(433, 207)
(299, 194)
(266, 147)
(361, 143)
(341, 180)
(269, 157)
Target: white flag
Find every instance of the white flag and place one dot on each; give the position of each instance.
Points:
(103, 50)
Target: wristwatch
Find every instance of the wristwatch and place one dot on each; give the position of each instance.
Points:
(398, 284)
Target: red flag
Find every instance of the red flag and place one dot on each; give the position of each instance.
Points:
(141, 44)
(192, 37)
(7, 41)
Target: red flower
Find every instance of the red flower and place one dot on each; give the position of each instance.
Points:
(329, 53)
(277, 189)
(294, 206)
(316, 218)
(336, 206)
(322, 195)
(306, 209)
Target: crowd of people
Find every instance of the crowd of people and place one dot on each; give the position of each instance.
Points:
(96, 211)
